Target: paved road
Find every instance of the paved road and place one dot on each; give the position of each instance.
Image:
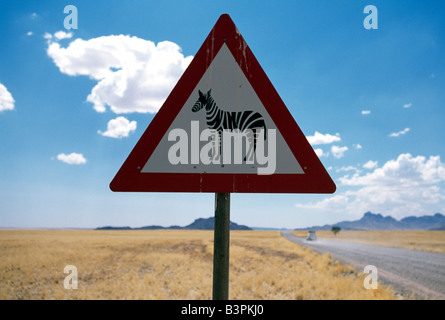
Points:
(405, 270)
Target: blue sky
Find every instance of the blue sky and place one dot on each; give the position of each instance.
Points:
(371, 102)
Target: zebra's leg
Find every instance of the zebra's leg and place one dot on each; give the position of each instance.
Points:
(251, 141)
(254, 143)
(218, 144)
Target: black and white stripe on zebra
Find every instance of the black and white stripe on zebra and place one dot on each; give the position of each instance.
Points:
(248, 121)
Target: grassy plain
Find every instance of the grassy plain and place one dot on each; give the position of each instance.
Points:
(433, 241)
(169, 264)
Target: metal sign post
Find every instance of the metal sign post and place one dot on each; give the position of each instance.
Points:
(221, 247)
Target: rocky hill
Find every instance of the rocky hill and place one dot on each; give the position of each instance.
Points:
(198, 224)
(369, 221)
(375, 221)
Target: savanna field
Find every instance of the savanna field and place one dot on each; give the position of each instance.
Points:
(169, 264)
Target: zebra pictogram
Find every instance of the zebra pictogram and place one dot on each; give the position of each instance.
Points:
(248, 121)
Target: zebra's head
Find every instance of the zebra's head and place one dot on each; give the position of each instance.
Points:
(202, 101)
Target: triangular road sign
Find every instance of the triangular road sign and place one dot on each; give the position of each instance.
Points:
(223, 129)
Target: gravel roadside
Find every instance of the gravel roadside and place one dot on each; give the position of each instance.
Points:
(407, 271)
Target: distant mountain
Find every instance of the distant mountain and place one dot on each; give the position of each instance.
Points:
(198, 224)
(425, 222)
(113, 228)
(373, 221)
(209, 223)
(369, 221)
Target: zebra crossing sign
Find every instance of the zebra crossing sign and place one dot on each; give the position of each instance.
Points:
(223, 129)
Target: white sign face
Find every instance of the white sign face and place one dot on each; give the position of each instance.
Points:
(223, 128)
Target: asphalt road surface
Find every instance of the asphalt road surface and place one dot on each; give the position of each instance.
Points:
(407, 271)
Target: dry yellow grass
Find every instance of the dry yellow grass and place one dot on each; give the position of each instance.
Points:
(433, 241)
(169, 264)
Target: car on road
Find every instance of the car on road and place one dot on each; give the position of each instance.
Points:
(311, 236)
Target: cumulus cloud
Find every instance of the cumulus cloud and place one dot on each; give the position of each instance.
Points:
(319, 138)
(119, 128)
(366, 112)
(400, 133)
(320, 153)
(406, 170)
(338, 152)
(6, 99)
(60, 35)
(407, 105)
(132, 74)
(72, 158)
(370, 164)
(402, 187)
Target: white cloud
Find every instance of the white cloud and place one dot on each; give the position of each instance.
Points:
(358, 146)
(366, 112)
(407, 105)
(338, 152)
(132, 74)
(60, 35)
(370, 164)
(29, 33)
(6, 99)
(406, 170)
(401, 187)
(400, 133)
(72, 158)
(319, 138)
(320, 153)
(47, 36)
(119, 128)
